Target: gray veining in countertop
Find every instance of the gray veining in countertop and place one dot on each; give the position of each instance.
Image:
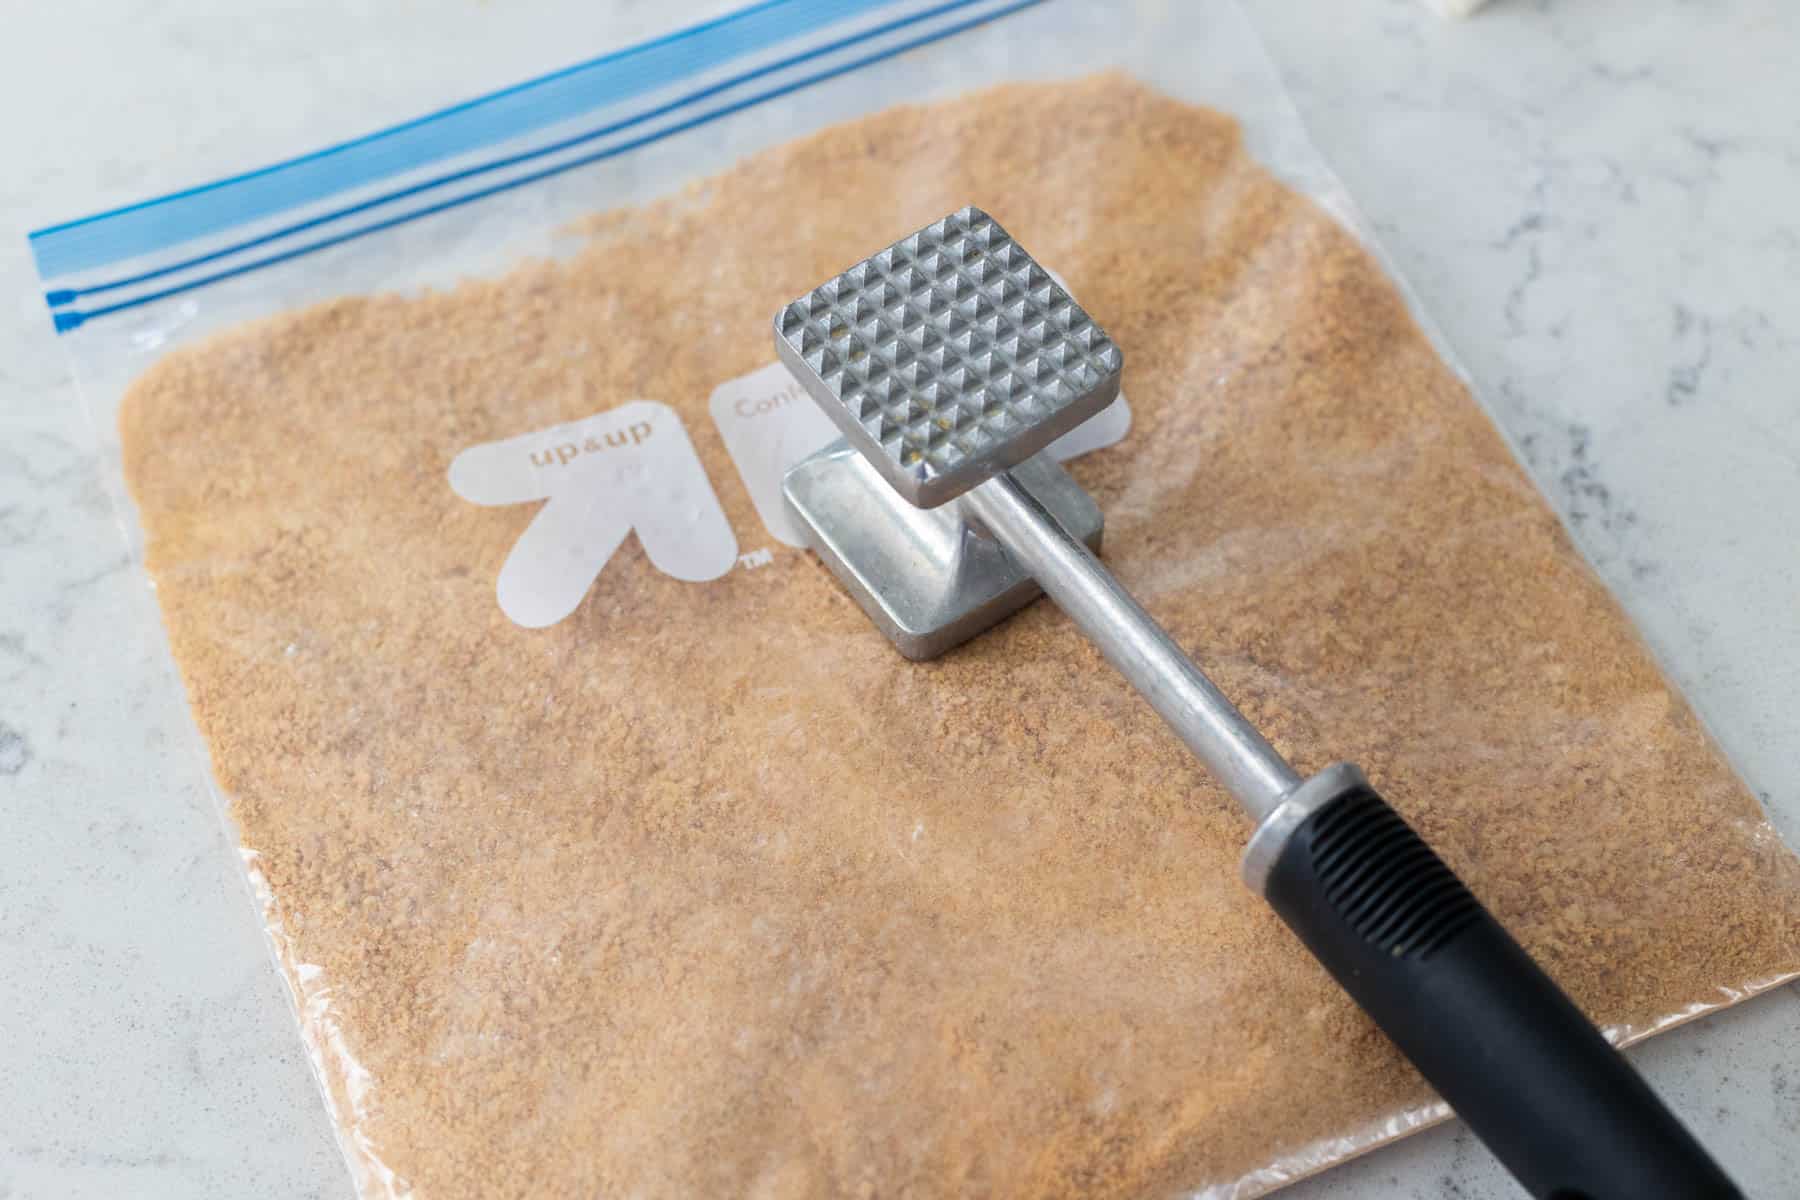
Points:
(1597, 200)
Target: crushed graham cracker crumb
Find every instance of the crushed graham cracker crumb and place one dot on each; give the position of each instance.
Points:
(706, 891)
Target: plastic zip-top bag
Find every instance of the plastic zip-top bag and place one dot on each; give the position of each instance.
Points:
(607, 848)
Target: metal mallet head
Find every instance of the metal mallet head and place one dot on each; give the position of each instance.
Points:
(950, 360)
(947, 359)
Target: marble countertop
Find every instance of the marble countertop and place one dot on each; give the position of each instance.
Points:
(1596, 200)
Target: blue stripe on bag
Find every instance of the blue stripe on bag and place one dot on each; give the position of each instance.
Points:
(463, 128)
(64, 296)
(67, 319)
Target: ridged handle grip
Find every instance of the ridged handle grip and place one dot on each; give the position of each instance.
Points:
(1534, 1079)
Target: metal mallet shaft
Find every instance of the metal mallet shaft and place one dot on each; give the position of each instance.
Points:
(1209, 724)
(950, 361)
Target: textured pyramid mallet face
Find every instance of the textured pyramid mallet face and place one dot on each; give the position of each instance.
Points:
(949, 356)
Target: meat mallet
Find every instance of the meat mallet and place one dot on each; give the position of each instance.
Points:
(950, 361)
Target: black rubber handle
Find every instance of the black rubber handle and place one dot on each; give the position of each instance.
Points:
(1557, 1105)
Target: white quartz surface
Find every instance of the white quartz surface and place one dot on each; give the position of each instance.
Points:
(1598, 200)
